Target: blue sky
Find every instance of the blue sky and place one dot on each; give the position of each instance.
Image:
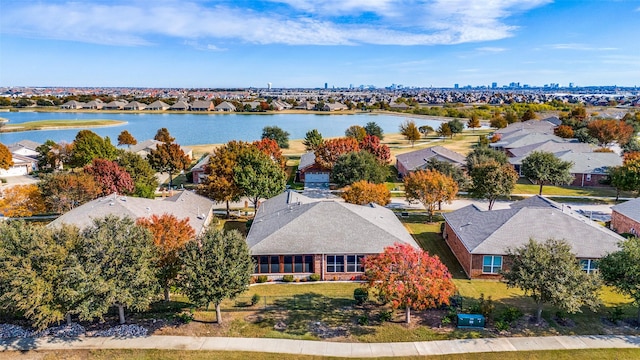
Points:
(300, 43)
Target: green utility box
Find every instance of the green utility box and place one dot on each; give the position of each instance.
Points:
(470, 321)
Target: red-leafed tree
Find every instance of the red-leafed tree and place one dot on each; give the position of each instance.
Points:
(371, 144)
(330, 150)
(409, 278)
(110, 177)
(271, 149)
(170, 235)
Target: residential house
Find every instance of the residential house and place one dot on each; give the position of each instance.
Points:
(72, 105)
(158, 106)
(334, 107)
(280, 105)
(22, 165)
(143, 148)
(590, 169)
(306, 105)
(297, 235)
(115, 105)
(96, 104)
(184, 204)
(198, 171)
(25, 148)
(480, 239)
(180, 105)
(203, 105)
(309, 171)
(135, 105)
(225, 106)
(625, 217)
(418, 159)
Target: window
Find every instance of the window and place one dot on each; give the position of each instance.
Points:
(491, 264)
(589, 265)
(288, 264)
(275, 264)
(588, 177)
(335, 263)
(308, 263)
(354, 263)
(264, 264)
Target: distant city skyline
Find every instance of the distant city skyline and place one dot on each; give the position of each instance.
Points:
(318, 44)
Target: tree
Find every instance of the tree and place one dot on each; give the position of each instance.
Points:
(373, 129)
(545, 167)
(125, 138)
(356, 166)
(606, 131)
(330, 150)
(444, 130)
(257, 176)
(456, 126)
(431, 188)
(621, 270)
(371, 144)
(216, 267)
(410, 131)
(272, 150)
(482, 155)
(449, 169)
(529, 114)
(219, 185)
(312, 140)
(88, 146)
(6, 158)
(168, 158)
(141, 172)
(119, 260)
(65, 191)
(498, 121)
(564, 131)
(163, 135)
(474, 122)
(22, 201)
(170, 236)
(425, 130)
(110, 177)
(550, 274)
(277, 134)
(51, 155)
(409, 278)
(356, 131)
(40, 274)
(363, 192)
(491, 180)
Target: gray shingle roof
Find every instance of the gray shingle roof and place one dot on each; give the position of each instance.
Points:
(552, 146)
(493, 232)
(527, 127)
(630, 209)
(307, 159)
(518, 140)
(291, 223)
(185, 204)
(418, 159)
(590, 163)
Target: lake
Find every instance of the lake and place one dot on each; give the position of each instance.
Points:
(196, 129)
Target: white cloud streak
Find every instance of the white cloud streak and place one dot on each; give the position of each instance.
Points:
(322, 22)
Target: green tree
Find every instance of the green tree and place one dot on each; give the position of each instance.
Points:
(456, 126)
(88, 146)
(312, 140)
(6, 159)
(445, 130)
(119, 259)
(143, 175)
(356, 166)
(277, 134)
(373, 129)
(217, 267)
(356, 131)
(491, 180)
(164, 136)
(125, 138)
(482, 155)
(257, 176)
(545, 167)
(168, 158)
(550, 274)
(621, 270)
(425, 130)
(410, 131)
(449, 169)
(474, 122)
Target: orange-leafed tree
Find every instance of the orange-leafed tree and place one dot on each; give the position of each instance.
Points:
(271, 149)
(431, 188)
(564, 131)
(371, 144)
(110, 177)
(6, 159)
(330, 150)
(125, 138)
(363, 192)
(170, 235)
(409, 278)
(22, 200)
(609, 130)
(65, 191)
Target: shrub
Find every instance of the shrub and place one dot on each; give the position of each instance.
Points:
(262, 279)
(314, 277)
(486, 306)
(445, 320)
(185, 318)
(502, 325)
(361, 295)
(255, 299)
(510, 314)
(287, 278)
(363, 320)
(616, 314)
(385, 316)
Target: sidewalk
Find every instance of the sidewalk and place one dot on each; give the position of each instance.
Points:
(324, 348)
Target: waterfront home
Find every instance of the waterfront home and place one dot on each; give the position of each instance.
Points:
(418, 159)
(202, 105)
(309, 171)
(158, 106)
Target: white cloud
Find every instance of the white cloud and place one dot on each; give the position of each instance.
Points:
(489, 49)
(322, 22)
(582, 47)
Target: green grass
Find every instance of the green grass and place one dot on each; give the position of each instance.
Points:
(525, 187)
(52, 124)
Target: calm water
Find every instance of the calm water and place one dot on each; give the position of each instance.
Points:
(193, 129)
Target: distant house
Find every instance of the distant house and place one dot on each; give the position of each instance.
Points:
(280, 105)
(198, 171)
(399, 106)
(203, 105)
(334, 107)
(135, 105)
(306, 105)
(180, 106)
(96, 104)
(294, 234)
(225, 106)
(158, 106)
(143, 148)
(185, 204)
(480, 239)
(72, 105)
(417, 160)
(625, 217)
(115, 105)
(311, 172)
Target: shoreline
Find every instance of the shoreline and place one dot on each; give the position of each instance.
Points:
(85, 125)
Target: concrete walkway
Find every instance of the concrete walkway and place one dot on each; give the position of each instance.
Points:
(324, 348)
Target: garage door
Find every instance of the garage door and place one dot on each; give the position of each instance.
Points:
(316, 178)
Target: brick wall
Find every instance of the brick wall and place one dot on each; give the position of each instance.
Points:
(622, 224)
(581, 180)
(402, 171)
(458, 249)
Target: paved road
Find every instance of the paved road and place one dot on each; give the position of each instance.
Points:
(324, 348)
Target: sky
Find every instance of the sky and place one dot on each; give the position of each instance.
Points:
(305, 44)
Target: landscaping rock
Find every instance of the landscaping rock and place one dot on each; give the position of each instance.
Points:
(122, 331)
(73, 330)
(280, 326)
(324, 332)
(13, 331)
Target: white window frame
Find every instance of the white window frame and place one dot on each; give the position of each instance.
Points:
(494, 269)
(589, 265)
